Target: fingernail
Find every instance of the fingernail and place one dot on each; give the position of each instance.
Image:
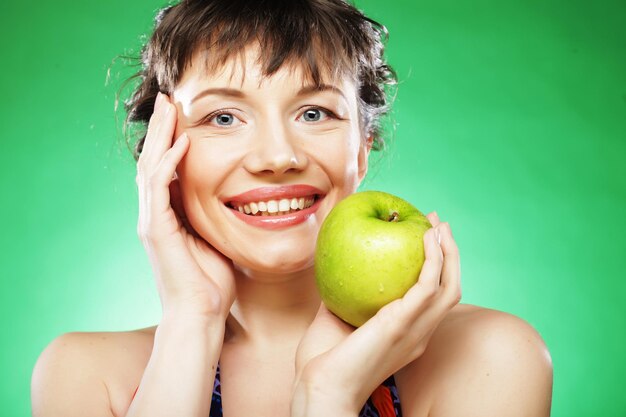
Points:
(436, 215)
(438, 236)
(450, 230)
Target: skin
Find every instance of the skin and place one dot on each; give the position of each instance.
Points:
(283, 353)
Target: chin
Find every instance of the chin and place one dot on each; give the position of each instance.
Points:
(277, 262)
(281, 265)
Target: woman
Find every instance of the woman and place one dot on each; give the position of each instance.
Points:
(249, 103)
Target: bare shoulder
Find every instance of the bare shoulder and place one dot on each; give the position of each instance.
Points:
(479, 362)
(94, 371)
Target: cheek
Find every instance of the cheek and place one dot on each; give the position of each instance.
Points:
(205, 165)
(338, 157)
(202, 171)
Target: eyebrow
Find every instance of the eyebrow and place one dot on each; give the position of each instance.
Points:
(231, 92)
(318, 88)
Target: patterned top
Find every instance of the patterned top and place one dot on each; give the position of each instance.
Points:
(384, 401)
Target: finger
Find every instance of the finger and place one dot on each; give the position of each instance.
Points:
(420, 296)
(433, 218)
(162, 176)
(165, 129)
(147, 143)
(160, 133)
(429, 277)
(451, 269)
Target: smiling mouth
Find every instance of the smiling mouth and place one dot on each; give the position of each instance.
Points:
(278, 207)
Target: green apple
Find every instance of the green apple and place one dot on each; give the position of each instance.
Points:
(370, 251)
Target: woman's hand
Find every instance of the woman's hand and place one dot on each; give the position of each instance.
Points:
(192, 277)
(339, 365)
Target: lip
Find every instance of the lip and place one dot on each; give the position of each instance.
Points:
(275, 193)
(278, 222)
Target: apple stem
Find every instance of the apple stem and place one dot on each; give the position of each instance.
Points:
(393, 217)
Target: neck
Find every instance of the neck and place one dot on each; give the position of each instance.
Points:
(272, 308)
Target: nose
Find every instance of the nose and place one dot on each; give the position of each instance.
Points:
(274, 151)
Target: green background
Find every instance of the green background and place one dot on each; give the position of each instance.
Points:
(511, 123)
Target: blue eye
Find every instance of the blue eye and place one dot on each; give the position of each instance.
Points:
(221, 118)
(317, 114)
(224, 119)
(312, 115)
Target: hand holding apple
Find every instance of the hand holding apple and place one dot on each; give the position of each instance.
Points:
(370, 251)
(353, 362)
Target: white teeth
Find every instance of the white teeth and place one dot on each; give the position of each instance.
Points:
(272, 206)
(283, 205)
(275, 207)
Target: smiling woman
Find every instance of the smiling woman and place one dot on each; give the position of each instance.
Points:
(260, 118)
(269, 141)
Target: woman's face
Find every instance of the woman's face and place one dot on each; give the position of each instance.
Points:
(262, 144)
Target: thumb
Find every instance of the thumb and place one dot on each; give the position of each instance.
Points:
(176, 201)
(325, 332)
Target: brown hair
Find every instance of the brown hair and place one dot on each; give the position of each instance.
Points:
(324, 36)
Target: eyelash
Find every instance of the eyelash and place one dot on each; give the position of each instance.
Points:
(329, 113)
(213, 115)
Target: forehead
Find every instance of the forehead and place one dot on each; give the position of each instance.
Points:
(247, 69)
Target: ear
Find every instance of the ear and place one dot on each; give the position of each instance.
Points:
(364, 153)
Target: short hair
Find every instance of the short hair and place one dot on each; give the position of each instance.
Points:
(328, 37)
